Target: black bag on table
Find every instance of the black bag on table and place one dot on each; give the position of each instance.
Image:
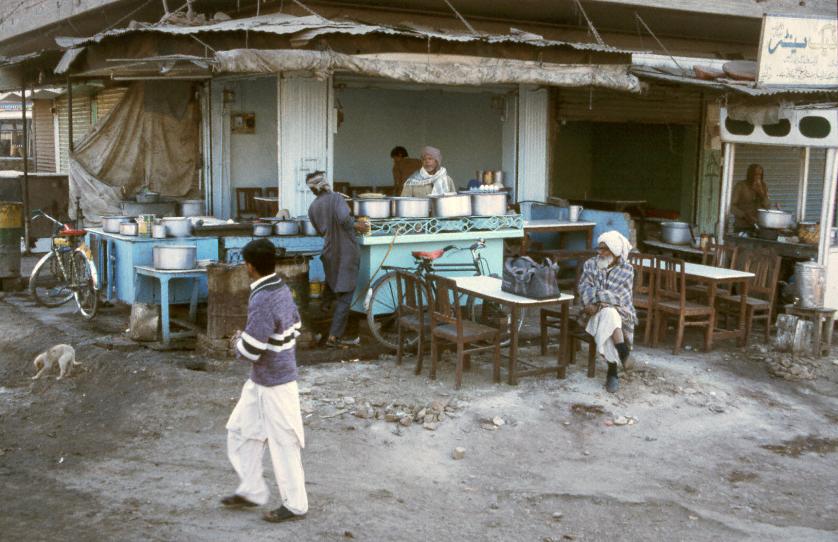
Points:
(525, 277)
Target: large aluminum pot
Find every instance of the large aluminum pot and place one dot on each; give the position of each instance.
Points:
(287, 227)
(373, 207)
(676, 233)
(177, 226)
(411, 207)
(131, 229)
(192, 207)
(771, 218)
(451, 206)
(810, 279)
(110, 224)
(174, 257)
(488, 203)
(306, 225)
(261, 229)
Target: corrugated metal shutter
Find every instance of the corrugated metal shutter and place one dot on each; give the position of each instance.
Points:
(81, 124)
(659, 105)
(781, 167)
(303, 137)
(533, 105)
(107, 100)
(44, 136)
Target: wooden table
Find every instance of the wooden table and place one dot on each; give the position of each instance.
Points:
(489, 288)
(550, 225)
(714, 277)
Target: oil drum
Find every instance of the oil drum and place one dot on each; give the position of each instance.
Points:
(11, 230)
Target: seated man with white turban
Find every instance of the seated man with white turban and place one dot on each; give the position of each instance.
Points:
(431, 179)
(605, 291)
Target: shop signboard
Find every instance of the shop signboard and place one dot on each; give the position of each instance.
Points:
(798, 51)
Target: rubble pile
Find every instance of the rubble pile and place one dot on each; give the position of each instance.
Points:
(783, 364)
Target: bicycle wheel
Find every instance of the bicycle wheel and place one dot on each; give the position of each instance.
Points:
(84, 284)
(48, 283)
(382, 311)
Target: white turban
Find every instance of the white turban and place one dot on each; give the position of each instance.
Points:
(616, 243)
(433, 152)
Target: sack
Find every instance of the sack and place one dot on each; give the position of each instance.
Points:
(523, 276)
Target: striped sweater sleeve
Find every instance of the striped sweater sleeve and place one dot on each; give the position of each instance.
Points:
(258, 330)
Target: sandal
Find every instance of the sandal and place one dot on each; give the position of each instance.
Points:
(237, 501)
(281, 514)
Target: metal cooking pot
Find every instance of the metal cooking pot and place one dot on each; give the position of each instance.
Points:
(373, 208)
(451, 206)
(158, 231)
(261, 229)
(411, 207)
(178, 226)
(174, 257)
(676, 233)
(771, 218)
(488, 203)
(307, 227)
(110, 224)
(192, 207)
(287, 227)
(129, 228)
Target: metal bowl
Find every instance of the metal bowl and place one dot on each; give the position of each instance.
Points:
(130, 229)
(404, 207)
(373, 208)
(174, 257)
(487, 203)
(262, 229)
(287, 227)
(451, 206)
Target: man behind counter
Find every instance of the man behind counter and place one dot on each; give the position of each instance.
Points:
(748, 196)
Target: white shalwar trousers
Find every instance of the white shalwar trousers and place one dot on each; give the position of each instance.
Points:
(601, 327)
(268, 415)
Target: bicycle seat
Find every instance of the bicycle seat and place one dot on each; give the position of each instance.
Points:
(432, 255)
(70, 232)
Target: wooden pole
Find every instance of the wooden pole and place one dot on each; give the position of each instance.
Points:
(27, 219)
(69, 116)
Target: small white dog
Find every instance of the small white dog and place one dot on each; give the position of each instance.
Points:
(64, 354)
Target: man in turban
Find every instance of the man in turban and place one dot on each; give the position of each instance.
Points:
(605, 290)
(432, 179)
(341, 256)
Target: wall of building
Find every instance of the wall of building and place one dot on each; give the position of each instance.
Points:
(463, 125)
(253, 156)
(624, 161)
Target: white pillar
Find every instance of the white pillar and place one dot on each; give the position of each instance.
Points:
(727, 187)
(830, 179)
(533, 136)
(803, 186)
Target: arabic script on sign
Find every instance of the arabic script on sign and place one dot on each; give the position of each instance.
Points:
(798, 51)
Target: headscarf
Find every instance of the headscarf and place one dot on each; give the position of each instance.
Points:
(433, 152)
(319, 183)
(616, 243)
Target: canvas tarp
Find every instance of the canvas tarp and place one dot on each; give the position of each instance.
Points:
(428, 69)
(151, 139)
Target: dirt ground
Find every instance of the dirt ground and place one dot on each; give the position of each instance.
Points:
(694, 447)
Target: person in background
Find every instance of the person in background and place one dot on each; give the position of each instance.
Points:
(748, 196)
(432, 179)
(341, 256)
(605, 290)
(268, 411)
(403, 167)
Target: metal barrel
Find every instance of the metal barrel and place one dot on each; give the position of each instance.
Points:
(809, 277)
(11, 230)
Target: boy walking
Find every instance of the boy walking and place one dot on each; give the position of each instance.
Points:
(268, 410)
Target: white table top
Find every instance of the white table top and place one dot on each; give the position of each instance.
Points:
(554, 223)
(713, 273)
(491, 287)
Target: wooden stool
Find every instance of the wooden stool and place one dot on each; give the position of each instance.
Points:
(820, 317)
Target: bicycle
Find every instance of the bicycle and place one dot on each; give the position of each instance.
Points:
(382, 301)
(65, 272)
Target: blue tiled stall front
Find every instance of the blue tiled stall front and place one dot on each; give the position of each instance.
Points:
(115, 257)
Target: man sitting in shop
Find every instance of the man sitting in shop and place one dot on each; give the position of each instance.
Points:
(748, 196)
(403, 167)
(341, 256)
(605, 290)
(432, 179)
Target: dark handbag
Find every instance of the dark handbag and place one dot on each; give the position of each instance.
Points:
(523, 276)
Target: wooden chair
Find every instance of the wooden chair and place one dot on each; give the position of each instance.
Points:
(671, 302)
(724, 256)
(761, 291)
(414, 298)
(447, 324)
(551, 318)
(644, 288)
(245, 204)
